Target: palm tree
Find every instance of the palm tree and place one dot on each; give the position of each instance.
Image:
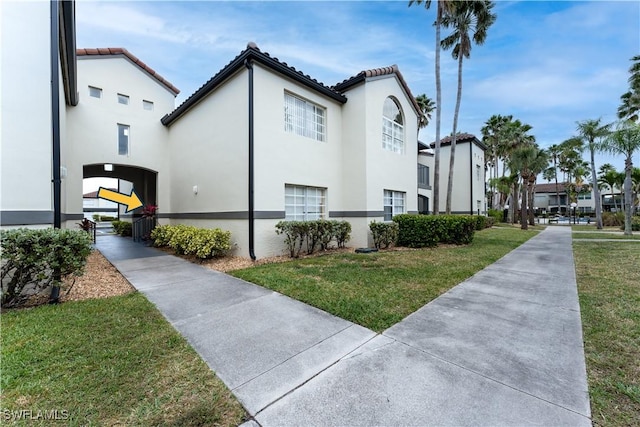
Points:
(630, 107)
(569, 158)
(464, 17)
(537, 166)
(610, 180)
(521, 162)
(442, 7)
(591, 132)
(492, 137)
(625, 140)
(427, 106)
(554, 153)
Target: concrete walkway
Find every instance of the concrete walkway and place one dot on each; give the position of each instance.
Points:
(502, 348)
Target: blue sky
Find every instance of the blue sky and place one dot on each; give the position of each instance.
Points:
(548, 64)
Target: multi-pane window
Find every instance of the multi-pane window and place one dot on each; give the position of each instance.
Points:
(423, 176)
(304, 118)
(304, 203)
(147, 105)
(123, 139)
(584, 196)
(392, 127)
(95, 92)
(123, 99)
(393, 204)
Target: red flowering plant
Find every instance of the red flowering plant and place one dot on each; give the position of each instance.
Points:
(149, 211)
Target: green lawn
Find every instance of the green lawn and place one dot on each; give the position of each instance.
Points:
(601, 235)
(608, 276)
(592, 227)
(380, 289)
(113, 361)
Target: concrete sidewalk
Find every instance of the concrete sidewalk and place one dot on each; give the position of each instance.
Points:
(502, 348)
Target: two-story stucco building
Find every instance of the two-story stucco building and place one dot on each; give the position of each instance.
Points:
(258, 143)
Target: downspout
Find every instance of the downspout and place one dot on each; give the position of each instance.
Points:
(249, 65)
(55, 129)
(471, 171)
(55, 113)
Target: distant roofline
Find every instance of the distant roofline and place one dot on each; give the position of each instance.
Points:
(120, 51)
(461, 138)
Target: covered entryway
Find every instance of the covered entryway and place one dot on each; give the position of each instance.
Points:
(423, 205)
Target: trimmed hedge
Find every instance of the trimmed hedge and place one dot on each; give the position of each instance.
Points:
(384, 234)
(496, 214)
(419, 231)
(122, 228)
(189, 240)
(313, 234)
(30, 259)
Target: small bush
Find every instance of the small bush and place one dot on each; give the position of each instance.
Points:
(490, 222)
(496, 214)
(98, 218)
(481, 222)
(418, 231)
(613, 219)
(189, 240)
(635, 224)
(384, 234)
(122, 228)
(316, 234)
(33, 260)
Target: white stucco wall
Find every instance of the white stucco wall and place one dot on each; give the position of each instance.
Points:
(92, 132)
(468, 188)
(26, 142)
(387, 170)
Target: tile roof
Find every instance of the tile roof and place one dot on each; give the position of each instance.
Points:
(551, 188)
(106, 51)
(460, 138)
(376, 72)
(251, 54)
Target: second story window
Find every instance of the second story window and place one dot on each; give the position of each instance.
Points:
(392, 127)
(123, 139)
(123, 99)
(147, 105)
(423, 176)
(304, 118)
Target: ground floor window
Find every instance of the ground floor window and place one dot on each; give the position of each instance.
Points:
(393, 204)
(304, 203)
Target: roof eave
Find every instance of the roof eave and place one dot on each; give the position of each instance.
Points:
(249, 54)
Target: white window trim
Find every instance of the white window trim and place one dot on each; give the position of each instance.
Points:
(146, 103)
(306, 210)
(392, 131)
(396, 200)
(305, 118)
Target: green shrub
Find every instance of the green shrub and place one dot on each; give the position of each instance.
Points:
(33, 260)
(490, 222)
(635, 224)
(496, 214)
(316, 234)
(613, 219)
(189, 240)
(418, 231)
(384, 234)
(122, 228)
(342, 232)
(481, 222)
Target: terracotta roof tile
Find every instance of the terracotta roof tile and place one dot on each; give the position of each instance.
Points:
(376, 72)
(461, 137)
(122, 51)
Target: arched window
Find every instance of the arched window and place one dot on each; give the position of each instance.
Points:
(392, 126)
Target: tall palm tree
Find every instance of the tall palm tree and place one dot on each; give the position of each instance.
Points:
(630, 107)
(536, 167)
(592, 132)
(427, 106)
(492, 137)
(465, 17)
(625, 140)
(554, 153)
(569, 158)
(443, 6)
